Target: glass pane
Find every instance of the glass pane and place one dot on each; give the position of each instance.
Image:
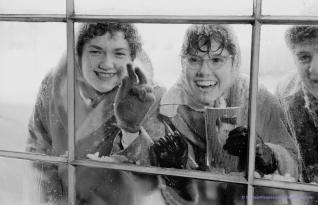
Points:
(32, 7)
(165, 7)
(295, 7)
(264, 196)
(121, 187)
(28, 51)
(22, 183)
(292, 77)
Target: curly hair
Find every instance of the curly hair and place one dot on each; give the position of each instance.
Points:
(198, 38)
(296, 35)
(89, 31)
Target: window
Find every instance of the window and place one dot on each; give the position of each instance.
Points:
(254, 30)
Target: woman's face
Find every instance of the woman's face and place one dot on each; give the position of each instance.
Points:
(104, 61)
(208, 76)
(306, 58)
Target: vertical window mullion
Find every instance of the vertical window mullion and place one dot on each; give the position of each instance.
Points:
(70, 101)
(256, 33)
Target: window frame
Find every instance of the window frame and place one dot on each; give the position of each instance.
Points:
(256, 20)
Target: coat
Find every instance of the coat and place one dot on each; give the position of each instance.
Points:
(190, 121)
(95, 131)
(296, 100)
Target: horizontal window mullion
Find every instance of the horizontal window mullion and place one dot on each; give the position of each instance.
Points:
(33, 156)
(161, 171)
(165, 19)
(33, 17)
(288, 20)
(286, 185)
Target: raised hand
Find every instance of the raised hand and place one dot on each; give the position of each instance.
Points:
(133, 100)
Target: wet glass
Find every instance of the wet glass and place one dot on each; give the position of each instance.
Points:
(264, 195)
(123, 187)
(290, 7)
(32, 7)
(28, 52)
(22, 183)
(291, 79)
(143, 7)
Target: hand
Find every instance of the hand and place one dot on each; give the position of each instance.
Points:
(265, 161)
(237, 142)
(171, 151)
(133, 100)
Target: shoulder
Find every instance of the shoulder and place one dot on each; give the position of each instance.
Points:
(289, 86)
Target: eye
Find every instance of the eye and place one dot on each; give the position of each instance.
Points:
(193, 59)
(304, 58)
(217, 60)
(95, 52)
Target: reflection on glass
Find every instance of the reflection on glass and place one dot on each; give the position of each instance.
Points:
(22, 183)
(32, 7)
(28, 51)
(165, 7)
(296, 88)
(121, 187)
(290, 7)
(264, 196)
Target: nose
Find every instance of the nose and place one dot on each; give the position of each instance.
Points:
(205, 69)
(106, 62)
(314, 65)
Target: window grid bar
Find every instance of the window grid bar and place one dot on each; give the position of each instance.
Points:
(301, 20)
(32, 156)
(255, 49)
(71, 102)
(283, 185)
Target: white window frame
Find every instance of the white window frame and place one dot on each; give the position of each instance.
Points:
(256, 20)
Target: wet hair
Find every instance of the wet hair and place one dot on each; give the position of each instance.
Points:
(198, 38)
(89, 31)
(296, 35)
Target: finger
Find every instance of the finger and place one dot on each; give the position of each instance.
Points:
(123, 89)
(131, 73)
(141, 76)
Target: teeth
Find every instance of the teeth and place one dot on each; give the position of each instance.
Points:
(206, 83)
(105, 75)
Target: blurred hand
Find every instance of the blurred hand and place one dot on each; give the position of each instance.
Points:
(237, 142)
(265, 161)
(133, 100)
(171, 151)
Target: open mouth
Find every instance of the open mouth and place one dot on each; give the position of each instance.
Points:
(103, 75)
(206, 84)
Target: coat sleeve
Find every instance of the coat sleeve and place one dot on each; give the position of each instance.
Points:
(272, 128)
(40, 141)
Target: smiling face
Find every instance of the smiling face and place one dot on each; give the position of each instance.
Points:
(208, 75)
(104, 61)
(306, 59)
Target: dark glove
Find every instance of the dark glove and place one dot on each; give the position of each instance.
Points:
(237, 145)
(172, 152)
(237, 142)
(265, 161)
(133, 100)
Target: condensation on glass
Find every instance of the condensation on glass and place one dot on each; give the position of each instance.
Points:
(32, 7)
(165, 7)
(290, 7)
(24, 182)
(28, 52)
(123, 187)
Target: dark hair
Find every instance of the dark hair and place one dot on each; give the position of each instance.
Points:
(198, 38)
(89, 31)
(300, 34)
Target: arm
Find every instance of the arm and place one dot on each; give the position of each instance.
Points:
(40, 141)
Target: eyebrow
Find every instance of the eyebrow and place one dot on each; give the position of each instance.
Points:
(96, 47)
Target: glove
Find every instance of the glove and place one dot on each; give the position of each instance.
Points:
(237, 145)
(133, 100)
(265, 161)
(172, 152)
